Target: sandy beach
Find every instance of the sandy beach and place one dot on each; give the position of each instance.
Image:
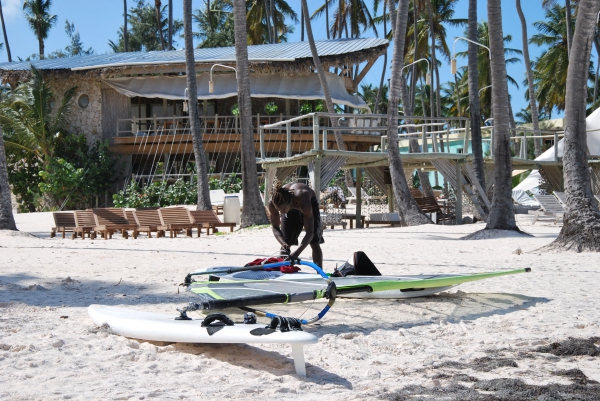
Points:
(474, 341)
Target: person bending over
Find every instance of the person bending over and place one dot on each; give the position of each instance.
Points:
(295, 206)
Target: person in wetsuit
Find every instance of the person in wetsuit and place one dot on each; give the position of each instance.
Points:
(294, 207)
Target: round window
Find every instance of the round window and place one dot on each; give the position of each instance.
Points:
(83, 101)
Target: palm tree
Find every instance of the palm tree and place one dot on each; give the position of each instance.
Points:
(7, 220)
(253, 211)
(125, 33)
(37, 13)
(502, 213)
(215, 24)
(321, 73)
(28, 114)
(581, 228)
(4, 32)
(532, 102)
(550, 69)
(474, 107)
(568, 20)
(409, 212)
(483, 63)
(170, 29)
(257, 18)
(157, 8)
(384, 69)
(372, 95)
(192, 93)
(351, 18)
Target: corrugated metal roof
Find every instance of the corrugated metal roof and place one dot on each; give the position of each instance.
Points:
(269, 52)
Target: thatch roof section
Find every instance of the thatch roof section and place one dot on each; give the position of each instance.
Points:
(282, 58)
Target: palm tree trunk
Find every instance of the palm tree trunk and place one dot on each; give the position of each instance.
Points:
(433, 59)
(532, 102)
(327, 17)
(392, 7)
(339, 140)
(581, 228)
(158, 28)
(474, 106)
(502, 213)
(4, 32)
(192, 98)
(170, 32)
(125, 33)
(7, 220)
(409, 212)
(268, 21)
(569, 25)
(302, 25)
(376, 111)
(253, 211)
(273, 22)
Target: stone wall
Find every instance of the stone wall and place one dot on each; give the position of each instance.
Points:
(87, 121)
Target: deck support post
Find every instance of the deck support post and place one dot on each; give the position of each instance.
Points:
(316, 184)
(316, 132)
(358, 197)
(458, 193)
(261, 135)
(288, 143)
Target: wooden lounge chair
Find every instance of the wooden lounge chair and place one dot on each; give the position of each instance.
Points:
(111, 220)
(383, 218)
(63, 222)
(84, 224)
(561, 197)
(210, 220)
(173, 219)
(429, 205)
(416, 193)
(148, 221)
(549, 207)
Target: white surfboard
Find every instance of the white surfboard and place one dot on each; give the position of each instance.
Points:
(161, 327)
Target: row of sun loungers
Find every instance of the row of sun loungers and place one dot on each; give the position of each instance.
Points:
(108, 221)
(553, 206)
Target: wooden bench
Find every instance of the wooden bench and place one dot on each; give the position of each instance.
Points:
(63, 222)
(383, 218)
(210, 220)
(173, 219)
(429, 204)
(84, 224)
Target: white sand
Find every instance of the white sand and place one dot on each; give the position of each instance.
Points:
(50, 349)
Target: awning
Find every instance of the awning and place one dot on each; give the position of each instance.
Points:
(306, 87)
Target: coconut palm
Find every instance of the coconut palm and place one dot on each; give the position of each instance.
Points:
(125, 33)
(409, 212)
(159, 23)
(4, 32)
(170, 28)
(502, 214)
(28, 114)
(581, 228)
(215, 24)
(455, 95)
(530, 83)
(258, 30)
(350, 19)
(568, 19)
(321, 73)
(550, 69)
(7, 220)
(483, 63)
(253, 211)
(192, 94)
(371, 95)
(37, 13)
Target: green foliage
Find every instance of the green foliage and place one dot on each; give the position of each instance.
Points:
(75, 48)
(23, 169)
(158, 194)
(215, 23)
(271, 108)
(78, 173)
(230, 185)
(142, 32)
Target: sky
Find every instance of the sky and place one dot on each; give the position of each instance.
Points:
(99, 21)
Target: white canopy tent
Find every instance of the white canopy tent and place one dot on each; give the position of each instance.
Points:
(302, 87)
(593, 143)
